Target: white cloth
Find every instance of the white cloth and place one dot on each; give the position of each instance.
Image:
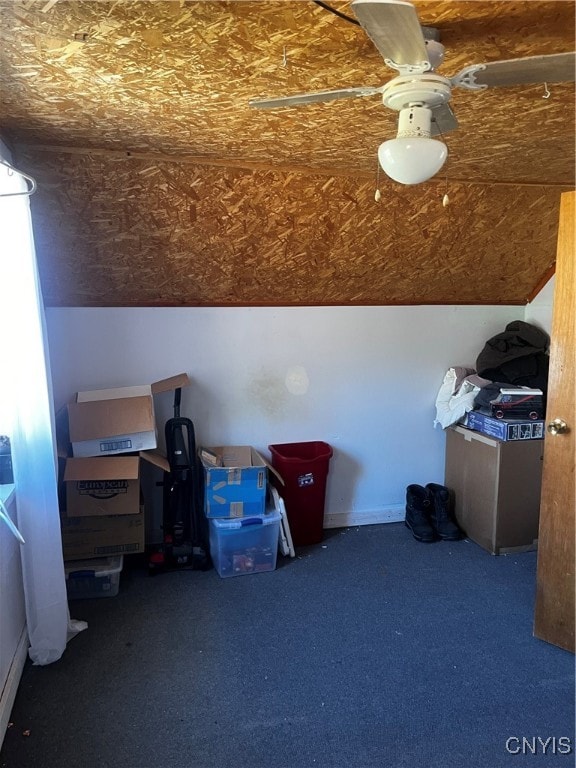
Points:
(456, 396)
(25, 394)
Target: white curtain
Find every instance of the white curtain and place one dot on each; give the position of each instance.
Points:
(27, 414)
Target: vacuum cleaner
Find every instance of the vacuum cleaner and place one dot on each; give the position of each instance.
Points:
(185, 528)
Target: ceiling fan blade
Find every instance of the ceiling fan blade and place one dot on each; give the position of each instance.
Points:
(443, 120)
(554, 68)
(393, 27)
(308, 98)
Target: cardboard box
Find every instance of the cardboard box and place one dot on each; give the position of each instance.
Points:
(237, 488)
(111, 421)
(495, 487)
(107, 485)
(99, 536)
(505, 429)
(104, 514)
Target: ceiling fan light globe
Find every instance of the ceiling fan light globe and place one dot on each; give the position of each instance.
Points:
(412, 160)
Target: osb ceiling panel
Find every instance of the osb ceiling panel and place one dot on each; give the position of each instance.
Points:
(139, 232)
(158, 185)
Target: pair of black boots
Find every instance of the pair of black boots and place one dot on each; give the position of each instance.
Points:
(428, 513)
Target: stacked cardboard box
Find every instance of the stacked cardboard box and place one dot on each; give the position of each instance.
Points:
(504, 429)
(243, 537)
(234, 481)
(111, 431)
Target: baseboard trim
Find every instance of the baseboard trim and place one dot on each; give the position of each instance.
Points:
(12, 681)
(393, 514)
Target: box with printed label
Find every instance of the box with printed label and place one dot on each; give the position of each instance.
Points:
(103, 513)
(505, 429)
(237, 486)
(100, 535)
(103, 422)
(108, 485)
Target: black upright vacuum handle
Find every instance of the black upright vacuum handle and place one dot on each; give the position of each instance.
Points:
(180, 444)
(177, 398)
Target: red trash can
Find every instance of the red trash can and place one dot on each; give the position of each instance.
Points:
(304, 469)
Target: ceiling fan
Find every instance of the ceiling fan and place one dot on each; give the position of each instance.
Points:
(418, 92)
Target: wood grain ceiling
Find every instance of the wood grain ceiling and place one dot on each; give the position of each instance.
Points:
(158, 185)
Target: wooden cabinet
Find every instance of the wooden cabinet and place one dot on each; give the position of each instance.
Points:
(496, 488)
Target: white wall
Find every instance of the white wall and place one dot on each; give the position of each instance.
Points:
(539, 311)
(363, 379)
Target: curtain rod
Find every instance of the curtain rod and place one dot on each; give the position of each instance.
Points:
(29, 191)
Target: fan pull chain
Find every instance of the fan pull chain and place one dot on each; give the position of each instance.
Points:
(446, 199)
(547, 93)
(377, 194)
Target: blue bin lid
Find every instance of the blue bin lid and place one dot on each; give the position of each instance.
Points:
(245, 522)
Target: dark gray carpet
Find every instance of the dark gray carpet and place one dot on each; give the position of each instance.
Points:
(372, 651)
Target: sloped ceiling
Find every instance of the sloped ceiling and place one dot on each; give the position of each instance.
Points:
(158, 185)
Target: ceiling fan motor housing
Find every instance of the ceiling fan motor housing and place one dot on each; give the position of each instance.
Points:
(427, 89)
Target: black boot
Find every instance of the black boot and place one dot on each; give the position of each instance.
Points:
(440, 517)
(418, 509)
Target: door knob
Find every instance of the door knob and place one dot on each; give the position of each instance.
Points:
(557, 427)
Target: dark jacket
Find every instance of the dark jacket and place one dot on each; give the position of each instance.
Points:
(516, 356)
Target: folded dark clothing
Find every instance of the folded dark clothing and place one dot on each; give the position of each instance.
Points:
(518, 340)
(529, 371)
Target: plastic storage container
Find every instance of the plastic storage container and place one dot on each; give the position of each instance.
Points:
(304, 469)
(244, 545)
(6, 474)
(99, 577)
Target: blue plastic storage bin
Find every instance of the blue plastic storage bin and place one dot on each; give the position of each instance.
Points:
(244, 545)
(98, 577)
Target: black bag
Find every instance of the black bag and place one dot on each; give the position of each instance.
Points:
(516, 356)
